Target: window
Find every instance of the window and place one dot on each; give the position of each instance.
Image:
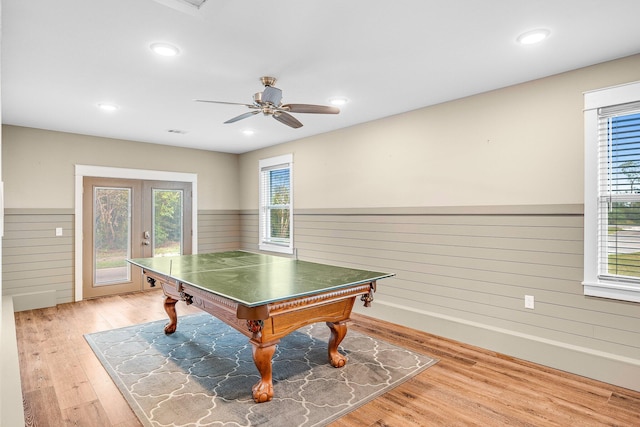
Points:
(276, 209)
(612, 193)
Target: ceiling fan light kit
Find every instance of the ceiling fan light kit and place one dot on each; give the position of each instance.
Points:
(269, 103)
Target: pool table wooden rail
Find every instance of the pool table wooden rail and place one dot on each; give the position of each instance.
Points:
(266, 324)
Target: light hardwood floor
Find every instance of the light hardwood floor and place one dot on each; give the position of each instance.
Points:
(65, 385)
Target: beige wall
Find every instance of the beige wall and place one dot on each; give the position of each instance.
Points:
(473, 204)
(38, 167)
(513, 146)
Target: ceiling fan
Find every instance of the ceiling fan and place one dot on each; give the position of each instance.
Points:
(268, 102)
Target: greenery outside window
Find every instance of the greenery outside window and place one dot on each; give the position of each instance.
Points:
(612, 193)
(276, 208)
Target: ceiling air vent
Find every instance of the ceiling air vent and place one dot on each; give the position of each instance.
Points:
(187, 6)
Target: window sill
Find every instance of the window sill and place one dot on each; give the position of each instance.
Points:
(275, 248)
(612, 290)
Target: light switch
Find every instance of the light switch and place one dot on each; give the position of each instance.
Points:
(58, 231)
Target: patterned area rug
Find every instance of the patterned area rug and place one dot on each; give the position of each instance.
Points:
(202, 375)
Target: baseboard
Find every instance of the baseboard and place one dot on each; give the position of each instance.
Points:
(12, 412)
(598, 365)
(34, 300)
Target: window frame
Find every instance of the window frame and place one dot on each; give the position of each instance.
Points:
(264, 244)
(593, 284)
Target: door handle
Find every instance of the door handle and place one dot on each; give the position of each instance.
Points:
(146, 242)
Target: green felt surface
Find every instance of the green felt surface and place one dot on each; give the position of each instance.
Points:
(255, 279)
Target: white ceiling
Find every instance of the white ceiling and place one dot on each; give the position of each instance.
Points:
(61, 58)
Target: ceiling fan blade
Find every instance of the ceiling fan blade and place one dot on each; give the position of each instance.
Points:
(287, 119)
(309, 108)
(272, 95)
(243, 116)
(224, 102)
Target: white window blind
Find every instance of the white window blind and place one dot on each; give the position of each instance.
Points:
(611, 193)
(619, 193)
(276, 211)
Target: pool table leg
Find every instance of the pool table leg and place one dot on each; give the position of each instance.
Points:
(170, 308)
(338, 332)
(262, 355)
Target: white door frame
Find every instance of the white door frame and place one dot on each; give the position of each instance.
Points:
(142, 174)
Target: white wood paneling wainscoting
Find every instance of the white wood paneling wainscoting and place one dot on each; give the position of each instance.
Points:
(37, 265)
(218, 230)
(463, 272)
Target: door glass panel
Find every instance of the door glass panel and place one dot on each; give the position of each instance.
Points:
(167, 222)
(112, 235)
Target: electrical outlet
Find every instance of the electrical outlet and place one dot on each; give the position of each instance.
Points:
(529, 301)
(58, 231)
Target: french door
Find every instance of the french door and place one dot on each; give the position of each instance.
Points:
(126, 218)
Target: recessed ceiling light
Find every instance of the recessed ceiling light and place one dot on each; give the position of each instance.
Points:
(165, 49)
(338, 100)
(107, 107)
(248, 132)
(532, 37)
